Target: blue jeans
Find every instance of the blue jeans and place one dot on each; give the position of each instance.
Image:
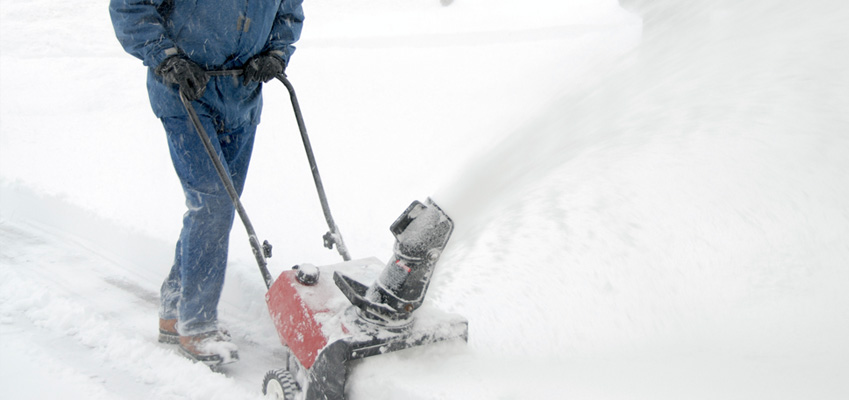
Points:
(192, 289)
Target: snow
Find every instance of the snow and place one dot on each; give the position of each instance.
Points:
(642, 212)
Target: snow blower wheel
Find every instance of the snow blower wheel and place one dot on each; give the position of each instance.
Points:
(279, 385)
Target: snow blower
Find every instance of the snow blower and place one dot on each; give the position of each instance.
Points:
(329, 315)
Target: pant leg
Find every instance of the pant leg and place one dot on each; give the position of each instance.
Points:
(193, 287)
(237, 146)
(169, 293)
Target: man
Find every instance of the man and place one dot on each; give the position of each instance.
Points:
(179, 41)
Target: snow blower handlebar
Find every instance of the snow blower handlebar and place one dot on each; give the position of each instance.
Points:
(333, 236)
(260, 252)
(263, 251)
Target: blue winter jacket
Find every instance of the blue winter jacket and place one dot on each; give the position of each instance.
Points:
(216, 34)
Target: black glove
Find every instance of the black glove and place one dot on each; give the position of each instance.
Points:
(263, 68)
(181, 71)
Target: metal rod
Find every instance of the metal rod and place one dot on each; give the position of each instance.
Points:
(259, 250)
(332, 237)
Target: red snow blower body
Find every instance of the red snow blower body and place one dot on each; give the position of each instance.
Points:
(326, 322)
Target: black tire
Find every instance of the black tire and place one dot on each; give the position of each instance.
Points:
(279, 384)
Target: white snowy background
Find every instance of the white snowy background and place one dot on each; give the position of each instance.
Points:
(650, 204)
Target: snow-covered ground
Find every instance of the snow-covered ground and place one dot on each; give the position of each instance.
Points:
(643, 212)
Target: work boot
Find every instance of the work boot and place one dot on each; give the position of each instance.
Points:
(210, 348)
(168, 332)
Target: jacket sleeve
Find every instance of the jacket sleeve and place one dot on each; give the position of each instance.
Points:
(140, 28)
(286, 29)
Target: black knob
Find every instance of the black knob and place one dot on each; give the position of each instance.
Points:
(306, 274)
